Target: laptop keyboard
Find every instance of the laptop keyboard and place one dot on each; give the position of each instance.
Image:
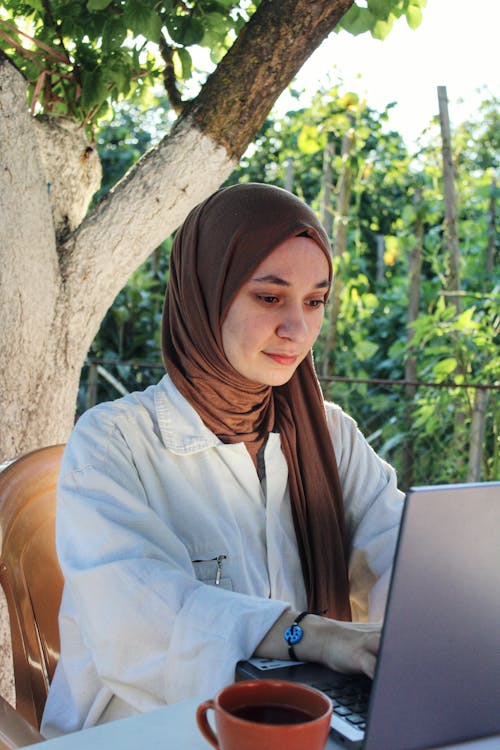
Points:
(350, 699)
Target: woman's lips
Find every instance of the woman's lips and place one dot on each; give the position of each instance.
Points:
(282, 359)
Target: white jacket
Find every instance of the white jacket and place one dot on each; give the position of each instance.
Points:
(177, 561)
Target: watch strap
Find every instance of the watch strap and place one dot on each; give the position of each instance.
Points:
(294, 635)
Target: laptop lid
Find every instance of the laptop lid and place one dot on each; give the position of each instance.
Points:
(438, 672)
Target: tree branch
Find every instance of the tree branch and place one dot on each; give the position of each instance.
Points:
(200, 152)
(270, 50)
(169, 79)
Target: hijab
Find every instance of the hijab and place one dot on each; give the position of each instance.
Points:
(219, 245)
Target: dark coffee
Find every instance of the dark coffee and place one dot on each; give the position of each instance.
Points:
(267, 713)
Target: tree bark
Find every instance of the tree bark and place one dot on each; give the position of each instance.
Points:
(54, 296)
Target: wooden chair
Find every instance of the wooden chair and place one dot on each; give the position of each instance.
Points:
(30, 575)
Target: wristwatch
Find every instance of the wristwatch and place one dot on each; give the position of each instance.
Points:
(294, 635)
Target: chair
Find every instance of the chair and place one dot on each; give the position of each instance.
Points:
(30, 575)
(15, 731)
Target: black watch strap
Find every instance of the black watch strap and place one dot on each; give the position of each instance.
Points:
(294, 635)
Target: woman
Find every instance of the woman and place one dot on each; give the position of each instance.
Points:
(197, 519)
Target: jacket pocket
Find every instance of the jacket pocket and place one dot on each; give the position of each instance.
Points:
(211, 571)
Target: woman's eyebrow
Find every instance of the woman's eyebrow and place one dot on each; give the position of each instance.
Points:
(272, 279)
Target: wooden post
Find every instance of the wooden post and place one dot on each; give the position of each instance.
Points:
(344, 189)
(327, 214)
(453, 251)
(327, 187)
(91, 394)
(414, 283)
(451, 222)
(492, 230)
(289, 175)
(380, 257)
(477, 435)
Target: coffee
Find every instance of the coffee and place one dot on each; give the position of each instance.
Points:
(266, 714)
(269, 713)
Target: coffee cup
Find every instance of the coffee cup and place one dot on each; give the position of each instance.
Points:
(266, 714)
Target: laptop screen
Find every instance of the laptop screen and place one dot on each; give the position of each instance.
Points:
(438, 672)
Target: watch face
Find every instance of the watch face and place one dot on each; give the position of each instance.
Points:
(293, 634)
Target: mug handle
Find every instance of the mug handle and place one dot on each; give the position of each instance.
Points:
(203, 725)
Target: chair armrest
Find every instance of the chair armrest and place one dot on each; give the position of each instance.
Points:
(15, 731)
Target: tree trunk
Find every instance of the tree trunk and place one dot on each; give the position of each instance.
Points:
(54, 296)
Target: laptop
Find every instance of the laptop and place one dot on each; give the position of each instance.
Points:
(437, 679)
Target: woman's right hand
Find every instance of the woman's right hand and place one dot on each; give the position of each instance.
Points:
(349, 646)
(343, 646)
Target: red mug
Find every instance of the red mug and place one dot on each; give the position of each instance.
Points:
(267, 714)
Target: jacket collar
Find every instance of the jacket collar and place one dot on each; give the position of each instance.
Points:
(181, 427)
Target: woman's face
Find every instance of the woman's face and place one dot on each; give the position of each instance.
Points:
(276, 316)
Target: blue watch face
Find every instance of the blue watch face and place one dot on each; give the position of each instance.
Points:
(293, 634)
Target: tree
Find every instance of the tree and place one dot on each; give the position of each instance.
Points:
(61, 267)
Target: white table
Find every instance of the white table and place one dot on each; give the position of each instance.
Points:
(174, 728)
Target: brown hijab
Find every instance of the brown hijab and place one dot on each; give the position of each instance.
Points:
(215, 251)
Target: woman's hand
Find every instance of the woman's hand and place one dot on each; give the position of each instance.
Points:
(350, 646)
(343, 646)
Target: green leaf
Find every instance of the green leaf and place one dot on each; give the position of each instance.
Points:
(382, 28)
(380, 8)
(185, 61)
(465, 320)
(409, 214)
(365, 350)
(444, 368)
(98, 4)
(94, 89)
(114, 33)
(36, 4)
(357, 20)
(413, 16)
(308, 140)
(185, 30)
(215, 28)
(142, 20)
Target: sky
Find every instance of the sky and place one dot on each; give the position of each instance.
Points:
(455, 46)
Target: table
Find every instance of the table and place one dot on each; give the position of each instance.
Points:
(174, 728)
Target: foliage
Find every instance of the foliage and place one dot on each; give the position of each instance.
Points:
(378, 16)
(372, 329)
(80, 58)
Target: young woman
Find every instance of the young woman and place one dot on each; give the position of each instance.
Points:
(198, 518)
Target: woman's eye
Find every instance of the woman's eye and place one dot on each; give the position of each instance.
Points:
(269, 299)
(315, 303)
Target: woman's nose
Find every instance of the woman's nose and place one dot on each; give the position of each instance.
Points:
(293, 325)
